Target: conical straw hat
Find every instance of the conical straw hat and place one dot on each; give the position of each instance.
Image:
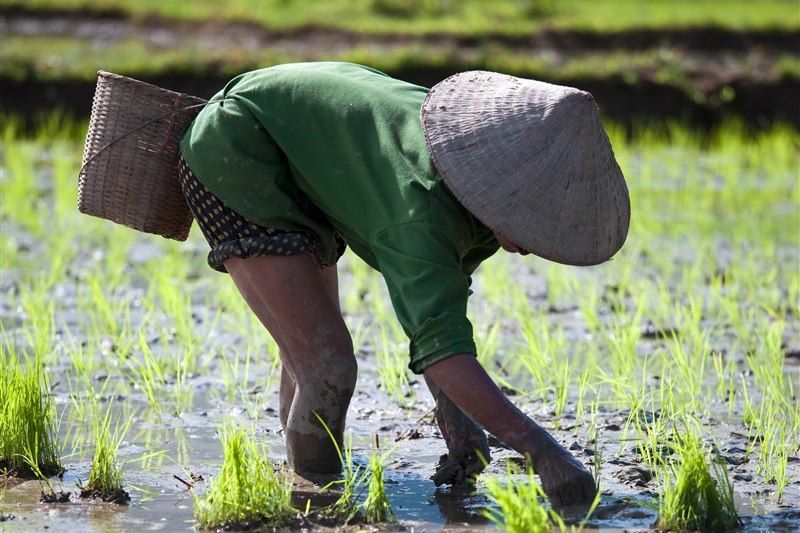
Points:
(530, 160)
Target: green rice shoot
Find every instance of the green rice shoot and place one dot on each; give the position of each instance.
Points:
(105, 476)
(520, 506)
(345, 508)
(29, 445)
(696, 495)
(247, 491)
(376, 506)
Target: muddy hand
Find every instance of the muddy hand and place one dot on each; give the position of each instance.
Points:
(564, 479)
(466, 444)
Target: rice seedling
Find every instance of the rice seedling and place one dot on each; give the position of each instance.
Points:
(583, 384)
(487, 343)
(688, 364)
(593, 434)
(621, 338)
(355, 480)
(40, 310)
(562, 378)
(392, 370)
(346, 509)
(696, 494)
(520, 505)
(376, 506)
(725, 374)
(19, 190)
(247, 491)
(82, 361)
(495, 282)
(110, 316)
(544, 345)
(148, 375)
(29, 442)
(559, 286)
(181, 389)
(589, 306)
(166, 281)
(774, 431)
(105, 476)
(694, 317)
(235, 375)
(364, 282)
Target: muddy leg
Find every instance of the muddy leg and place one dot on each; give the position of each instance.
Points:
(287, 383)
(466, 441)
(286, 393)
(324, 388)
(292, 299)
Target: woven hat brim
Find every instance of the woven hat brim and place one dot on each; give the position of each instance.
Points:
(531, 161)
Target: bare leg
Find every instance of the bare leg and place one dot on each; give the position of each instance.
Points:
(287, 382)
(467, 384)
(467, 447)
(285, 392)
(291, 298)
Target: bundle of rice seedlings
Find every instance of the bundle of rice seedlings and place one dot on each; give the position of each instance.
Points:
(376, 506)
(345, 509)
(696, 494)
(105, 477)
(247, 491)
(29, 444)
(521, 506)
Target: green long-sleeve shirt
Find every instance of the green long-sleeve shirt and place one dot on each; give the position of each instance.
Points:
(337, 147)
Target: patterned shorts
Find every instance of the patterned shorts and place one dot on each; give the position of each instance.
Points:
(232, 235)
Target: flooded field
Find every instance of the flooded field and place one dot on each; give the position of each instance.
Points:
(692, 330)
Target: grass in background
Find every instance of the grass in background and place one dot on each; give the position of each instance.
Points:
(512, 17)
(247, 492)
(29, 443)
(79, 58)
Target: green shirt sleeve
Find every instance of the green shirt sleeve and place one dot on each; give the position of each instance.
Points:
(421, 263)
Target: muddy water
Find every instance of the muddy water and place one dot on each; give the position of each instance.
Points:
(160, 502)
(187, 449)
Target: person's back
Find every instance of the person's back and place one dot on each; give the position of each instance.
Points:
(352, 140)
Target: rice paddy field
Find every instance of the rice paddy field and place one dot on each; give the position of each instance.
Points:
(134, 378)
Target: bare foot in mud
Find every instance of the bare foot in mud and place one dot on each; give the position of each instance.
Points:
(465, 441)
(564, 479)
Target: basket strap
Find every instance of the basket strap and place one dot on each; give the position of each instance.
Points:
(176, 104)
(171, 113)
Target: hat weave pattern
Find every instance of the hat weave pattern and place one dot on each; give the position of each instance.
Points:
(532, 161)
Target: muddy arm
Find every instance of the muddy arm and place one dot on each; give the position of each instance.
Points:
(468, 385)
(467, 447)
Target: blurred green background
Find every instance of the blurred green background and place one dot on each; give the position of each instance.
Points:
(701, 61)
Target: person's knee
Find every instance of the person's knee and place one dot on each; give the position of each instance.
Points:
(332, 362)
(345, 367)
(338, 372)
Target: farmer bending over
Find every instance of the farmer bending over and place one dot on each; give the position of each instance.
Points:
(290, 164)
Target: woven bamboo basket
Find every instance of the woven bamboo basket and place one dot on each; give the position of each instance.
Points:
(129, 173)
